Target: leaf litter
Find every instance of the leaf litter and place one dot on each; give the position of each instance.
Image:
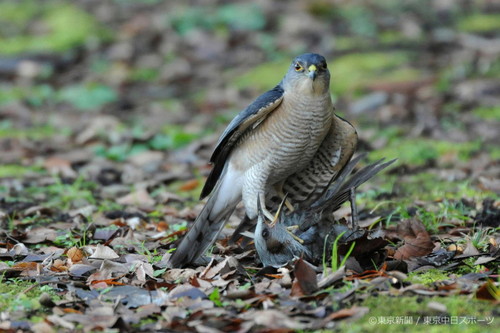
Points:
(100, 195)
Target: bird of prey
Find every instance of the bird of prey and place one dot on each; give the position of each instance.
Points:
(302, 233)
(275, 145)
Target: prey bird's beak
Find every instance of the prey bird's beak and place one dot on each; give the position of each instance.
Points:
(313, 72)
(278, 213)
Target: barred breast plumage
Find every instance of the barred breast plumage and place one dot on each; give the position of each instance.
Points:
(277, 149)
(305, 186)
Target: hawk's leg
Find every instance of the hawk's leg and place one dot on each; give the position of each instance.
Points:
(354, 209)
(290, 230)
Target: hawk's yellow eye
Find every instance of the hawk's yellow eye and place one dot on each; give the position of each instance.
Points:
(298, 67)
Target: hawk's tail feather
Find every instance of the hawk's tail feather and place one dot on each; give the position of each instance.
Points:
(203, 233)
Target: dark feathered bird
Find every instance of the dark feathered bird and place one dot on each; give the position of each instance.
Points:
(314, 226)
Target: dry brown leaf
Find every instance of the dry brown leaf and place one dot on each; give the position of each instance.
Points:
(417, 241)
(42, 327)
(189, 185)
(75, 255)
(59, 166)
(59, 266)
(104, 252)
(488, 292)
(224, 267)
(39, 235)
(305, 282)
(274, 319)
(25, 266)
(470, 250)
(179, 274)
(138, 198)
(355, 311)
(162, 226)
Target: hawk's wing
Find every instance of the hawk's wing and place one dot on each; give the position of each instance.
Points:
(247, 119)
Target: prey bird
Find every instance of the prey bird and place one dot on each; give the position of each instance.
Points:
(303, 231)
(288, 140)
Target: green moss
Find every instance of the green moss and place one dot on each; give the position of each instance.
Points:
(359, 19)
(415, 309)
(354, 71)
(65, 196)
(416, 152)
(488, 113)
(7, 130)
(263, 77)
(428, 186)
(172, 105)
(392, 37)
(321, 8)
(13, 170)
(244, 16)
(144, 74)
(344, 43)
(9, 94)
(90, 96)
(428, 277)
(14, 297)
(67, 26)
(480, 23)
(494, 151)
(349, 73)
(34, 95)
(441, 196)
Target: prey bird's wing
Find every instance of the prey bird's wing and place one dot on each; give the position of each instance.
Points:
(247, 119)
(340, 190)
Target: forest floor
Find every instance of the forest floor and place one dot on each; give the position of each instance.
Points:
(109, 112)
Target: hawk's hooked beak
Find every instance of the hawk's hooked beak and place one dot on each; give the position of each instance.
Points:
(313, 72)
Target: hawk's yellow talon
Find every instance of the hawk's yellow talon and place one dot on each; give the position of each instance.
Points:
(297, 238)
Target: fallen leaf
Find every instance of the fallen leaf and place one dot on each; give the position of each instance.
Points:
(330, 278)
(417, 241)
(59, 166)
(305, 282)
(75, 254)
(59, 266)
(138, 198)
(25, 266)
(273, 319)
(489, 292)
(355, 311)
(80, 270)
(104, 252)
(39, 235)
(187, 291)
(470, 250)
(189, 185)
